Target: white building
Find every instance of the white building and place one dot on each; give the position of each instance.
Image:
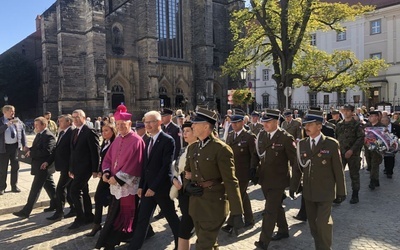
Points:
(376, 34)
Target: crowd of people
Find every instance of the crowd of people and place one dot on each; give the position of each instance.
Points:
(167, 155)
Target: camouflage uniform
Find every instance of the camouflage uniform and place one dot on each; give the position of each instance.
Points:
(351, 137)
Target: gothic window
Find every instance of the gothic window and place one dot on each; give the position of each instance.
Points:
(117, 89)
(162, 91)
(179, 91)
(169, 28)
(117, 40)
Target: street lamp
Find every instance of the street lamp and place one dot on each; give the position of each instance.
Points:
(6, 99)
(243, 75)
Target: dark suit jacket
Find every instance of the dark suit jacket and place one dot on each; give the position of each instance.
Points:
(42, 146)
(323, 179)
(244, 153)
(3, 128)
(85, 153)
(173, 130)
(62, 153)
(395, 130)
(156, 174)
(274, 169)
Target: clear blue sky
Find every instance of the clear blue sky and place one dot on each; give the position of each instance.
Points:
(17, 20)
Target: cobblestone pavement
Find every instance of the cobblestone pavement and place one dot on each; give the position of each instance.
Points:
(371, 224)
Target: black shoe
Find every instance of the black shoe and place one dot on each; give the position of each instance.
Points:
(71, 214)
(300, 218)
(76, 224)
(371, 185)
(49, 209)
(15, 190)
(279, 236)
(56, 216)
(95, 229)
(248, 224)
(260, 244)
(389, 176)
(354, 200)
(227, 229)
(21, 214)
(1, 192)
(377, 183)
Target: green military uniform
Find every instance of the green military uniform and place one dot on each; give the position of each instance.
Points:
(351, 137)
(243, 146)
(293, 127)
(211, 161)
(374, 159)
(274, 177)
(323, 180)
(255, 128)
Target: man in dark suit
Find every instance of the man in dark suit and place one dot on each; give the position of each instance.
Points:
(155, 181)
(41, 149)
(61, 156)
(323, 178)
(170, 128)
(84, 163)
(12, 137)
(389, 158)
(277, 151)
(242, 142)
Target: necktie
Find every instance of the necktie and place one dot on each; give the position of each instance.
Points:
(236, 135)
(12, 131)
(313, 145)
(150, 146)
(269, 136)
(60, 135)
(75, 136)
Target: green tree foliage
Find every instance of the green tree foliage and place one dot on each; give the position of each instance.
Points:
(19, 82)
(242, 97)
(278, 33)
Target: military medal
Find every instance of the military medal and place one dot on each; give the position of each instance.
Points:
(324, 162)
(241, 150)
(273, 145)
(319, 155)
(239, 144)
(304, 155)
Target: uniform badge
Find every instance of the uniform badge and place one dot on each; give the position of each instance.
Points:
(239, 144)
(319, 155)
(273, 145)
(304, 155)
(241, 150)
(324, 162)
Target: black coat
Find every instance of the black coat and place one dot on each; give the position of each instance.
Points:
(85, 152)
(156, 173)
(62, 152)
(42, 146)
(173, 130)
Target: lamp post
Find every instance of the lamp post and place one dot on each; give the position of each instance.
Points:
(6, 99)
(243, 76)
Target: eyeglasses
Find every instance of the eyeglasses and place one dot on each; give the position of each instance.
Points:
(75, 117)
(148, 122)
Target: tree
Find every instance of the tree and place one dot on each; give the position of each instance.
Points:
(242, 97)
(278, 33)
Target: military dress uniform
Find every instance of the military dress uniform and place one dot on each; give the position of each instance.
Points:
(351, 137)
(274, 176)
(293, 127)
(323, 181)
(212, 168)
(243, 146)
(255, 128)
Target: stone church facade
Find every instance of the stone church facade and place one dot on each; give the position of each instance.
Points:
(148, 54)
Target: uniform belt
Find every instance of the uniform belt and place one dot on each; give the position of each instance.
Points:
(209, 183)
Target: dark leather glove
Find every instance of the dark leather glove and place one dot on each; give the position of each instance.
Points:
(237, 223)
(253, 175)
(193, 189)
(339, 199)
(291, 194)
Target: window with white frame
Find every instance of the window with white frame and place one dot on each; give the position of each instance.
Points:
(265, 100)
(356, 98)
(265, 74)
(375, 27)
(376, 55)
(326, 99)
(313, 39)
(341, 98)
(341, 36)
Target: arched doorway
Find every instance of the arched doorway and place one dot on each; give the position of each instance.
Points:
(179, 99)
(117, 96)
(165, 101)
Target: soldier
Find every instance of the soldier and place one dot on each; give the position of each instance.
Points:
(373, 158)
(321, 166)
(335, 116)
(212, 183)
(255, 125)
(277, 149)
(350, 135)
(242, 143)
(292, 126)
(328, 129)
